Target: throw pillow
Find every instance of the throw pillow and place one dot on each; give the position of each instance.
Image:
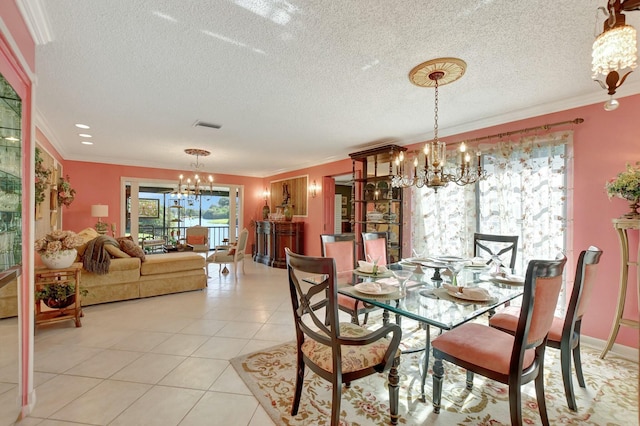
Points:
(195, 239)
(131, 248)
(115, 252)
(232, 250)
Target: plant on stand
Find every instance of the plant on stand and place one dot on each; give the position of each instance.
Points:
(627, 186)
(58, 251)
(66, 194)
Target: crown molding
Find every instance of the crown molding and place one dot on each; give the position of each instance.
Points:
(35, 16)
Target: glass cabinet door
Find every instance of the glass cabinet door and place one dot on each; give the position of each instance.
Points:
(10, 177)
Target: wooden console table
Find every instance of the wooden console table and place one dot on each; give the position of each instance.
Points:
(623, 226)
(71, 275)
(273, 237)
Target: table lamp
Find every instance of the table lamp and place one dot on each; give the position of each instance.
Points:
(100, 211)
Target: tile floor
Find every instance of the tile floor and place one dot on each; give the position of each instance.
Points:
(162, 360)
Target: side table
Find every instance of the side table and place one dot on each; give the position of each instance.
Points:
(623, 226)
(71, 275)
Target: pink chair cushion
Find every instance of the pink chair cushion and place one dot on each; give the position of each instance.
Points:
(353, 358)
(195, 239)
(507, 319)
(480, 345)
(342, 253)
(588, 282)
(347, 302)
(544, 306)
(377, 249)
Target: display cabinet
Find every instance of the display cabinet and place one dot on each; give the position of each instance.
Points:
(10, 180)
(376, 205)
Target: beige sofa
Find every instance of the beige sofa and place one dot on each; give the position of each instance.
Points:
(130, 278)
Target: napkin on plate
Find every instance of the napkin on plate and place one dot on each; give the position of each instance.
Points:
(367, 267)
(478, 261)
(394, 281)
(371, 287)
(475, 293)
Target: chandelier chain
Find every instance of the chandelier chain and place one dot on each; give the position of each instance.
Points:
(435, 126)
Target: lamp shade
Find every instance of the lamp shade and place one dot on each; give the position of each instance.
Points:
(614, 50)
(99, 210)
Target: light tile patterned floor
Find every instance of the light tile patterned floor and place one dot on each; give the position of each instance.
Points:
(162, 360)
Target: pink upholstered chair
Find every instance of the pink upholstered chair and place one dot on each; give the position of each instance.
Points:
(342, 248)
(565, 331)
(511, 359)
(375, 247)
(337, 352)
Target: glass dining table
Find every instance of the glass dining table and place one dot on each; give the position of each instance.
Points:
(431, 302)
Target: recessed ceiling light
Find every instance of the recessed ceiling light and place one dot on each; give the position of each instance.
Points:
(87, 143)
(82, 126)
(84, 135)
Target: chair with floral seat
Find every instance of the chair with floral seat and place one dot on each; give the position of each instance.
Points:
(510, 359)
(342, 248)
(337, 352)
(565, 330)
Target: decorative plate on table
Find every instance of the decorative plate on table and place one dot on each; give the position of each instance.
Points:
(506, 279)
(463, 296)
(379, 290)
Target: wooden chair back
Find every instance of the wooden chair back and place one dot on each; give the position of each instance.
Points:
(504, 246)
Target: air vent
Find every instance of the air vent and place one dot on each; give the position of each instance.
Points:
(199, 123)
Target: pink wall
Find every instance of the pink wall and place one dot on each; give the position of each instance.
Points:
(12, 18)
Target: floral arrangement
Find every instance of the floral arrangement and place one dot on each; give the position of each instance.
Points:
(42, 175)
(58, 241)
(626, 185)
(66, 194)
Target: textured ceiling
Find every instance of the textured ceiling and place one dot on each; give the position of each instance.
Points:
(295, 83)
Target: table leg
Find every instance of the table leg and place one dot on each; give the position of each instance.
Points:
(425, 365)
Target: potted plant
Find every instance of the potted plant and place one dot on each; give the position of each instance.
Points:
(58, 296)
(66, 194)
(42, 175)
(627, 186)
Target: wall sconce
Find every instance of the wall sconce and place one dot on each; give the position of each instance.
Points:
(100, 211)
(313, 189)
(615, 50)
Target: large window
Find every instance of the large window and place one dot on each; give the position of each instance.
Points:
(525, 194)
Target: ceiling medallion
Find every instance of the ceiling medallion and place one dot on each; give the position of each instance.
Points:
(424, 75)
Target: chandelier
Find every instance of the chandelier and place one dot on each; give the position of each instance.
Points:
(615, 50)
(193, 186)
(428, 167)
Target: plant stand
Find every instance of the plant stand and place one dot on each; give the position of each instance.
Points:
(43, 277)
(623, 226)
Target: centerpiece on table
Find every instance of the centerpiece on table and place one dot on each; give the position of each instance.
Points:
(627, 186)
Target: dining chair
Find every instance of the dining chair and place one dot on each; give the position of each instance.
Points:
(503, 246)
(565, 330)
(510, 359)
(342, 248)
(232, 254)
(338, 352)
(375, 247)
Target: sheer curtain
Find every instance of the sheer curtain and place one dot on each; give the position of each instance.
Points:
(526, 193)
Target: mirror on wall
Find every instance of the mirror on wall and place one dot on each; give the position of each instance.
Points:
(10, 247)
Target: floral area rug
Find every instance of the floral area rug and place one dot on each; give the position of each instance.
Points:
(610, 398)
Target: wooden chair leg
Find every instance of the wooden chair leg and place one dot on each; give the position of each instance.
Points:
(567, 380)
(438, 374)
(542, 403)
(515, 403)
(335, 403)
(299, 382)
(577, 364)
(394, 380)
(469, 379)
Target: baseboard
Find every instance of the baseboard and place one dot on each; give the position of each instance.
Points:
(626, 352)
